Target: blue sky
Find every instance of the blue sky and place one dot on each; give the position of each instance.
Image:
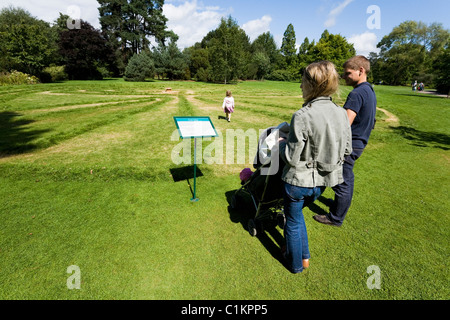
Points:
(193, 19)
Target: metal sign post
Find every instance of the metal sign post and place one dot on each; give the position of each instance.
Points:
(194, 198)
(193, 128)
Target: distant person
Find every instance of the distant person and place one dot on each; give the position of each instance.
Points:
(319, 139)
(228, 105)
(421, 86)
(361, 109)
(414, 85)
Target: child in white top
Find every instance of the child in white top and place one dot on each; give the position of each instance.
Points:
(228, 105)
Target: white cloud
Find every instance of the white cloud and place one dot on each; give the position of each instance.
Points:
(332, 16)
(49, 10)
(364, 43)
(254, 28)
(190, 21)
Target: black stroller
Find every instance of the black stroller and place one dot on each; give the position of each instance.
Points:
(264, 187)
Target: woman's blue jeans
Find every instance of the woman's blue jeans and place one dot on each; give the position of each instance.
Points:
(297, 248)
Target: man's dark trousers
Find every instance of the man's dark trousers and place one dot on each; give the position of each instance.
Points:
(344, 191)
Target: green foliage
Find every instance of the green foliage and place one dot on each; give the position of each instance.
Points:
(305, 56)
(128, 24)
(266, 56)
(442, 69)
(281, 75)
(331, 47)
(198, 59)
(412, 51)
(228, 48)
(262, 63)
(225, 54)
(409, 52)
(17, 77)
(139, 67)
(57, 73)
(25, 41)
(265, 43)
(334, 48)
(288, 48)
(170, 62)
(201, 75)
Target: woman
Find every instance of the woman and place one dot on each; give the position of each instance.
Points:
(319, 139)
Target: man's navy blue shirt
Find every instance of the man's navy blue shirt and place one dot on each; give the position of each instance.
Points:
(363, 102)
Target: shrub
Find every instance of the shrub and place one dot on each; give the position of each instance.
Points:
(139, 67)
(16, 77)
(281, 75)
(105, 72)
(57, 73)
(201, 75)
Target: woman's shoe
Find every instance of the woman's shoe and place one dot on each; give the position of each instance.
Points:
(305, 263)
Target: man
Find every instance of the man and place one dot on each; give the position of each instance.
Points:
(361, 109)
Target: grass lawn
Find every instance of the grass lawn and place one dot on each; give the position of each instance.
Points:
(87, 179)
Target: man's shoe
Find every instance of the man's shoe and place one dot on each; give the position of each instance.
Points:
(324, 219)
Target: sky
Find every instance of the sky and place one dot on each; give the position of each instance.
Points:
(361, 22)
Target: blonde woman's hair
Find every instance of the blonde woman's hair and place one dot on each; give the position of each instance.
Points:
(228, 93)
(320, 79)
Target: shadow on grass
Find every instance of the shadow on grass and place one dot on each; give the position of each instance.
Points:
(15, 138)
(186, 173)
(421, 95)
(424, 138)
(318, 210)
(270, 237)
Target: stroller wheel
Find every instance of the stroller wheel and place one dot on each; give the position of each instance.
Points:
(254, 227)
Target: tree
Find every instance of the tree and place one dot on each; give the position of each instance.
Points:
(198, 58)
(129, 23)
(289, 51)
(26, 42)
(266, 56)
(83, 51)
(170, 62)
(334, 48)
(305, 56)
(229, 51)
(139, 67)
(410, 51)
(265, 43)
(262, 64)
(288, 44)
(442, 68)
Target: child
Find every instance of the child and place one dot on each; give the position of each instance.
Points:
(228, 105)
